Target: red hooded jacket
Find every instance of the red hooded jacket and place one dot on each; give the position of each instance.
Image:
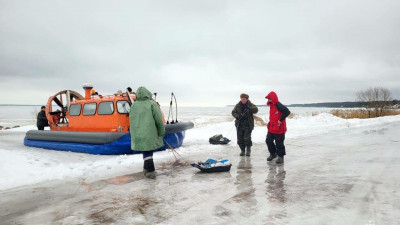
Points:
(277, 111)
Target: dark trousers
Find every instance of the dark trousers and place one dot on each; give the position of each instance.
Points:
(148, 164)
(244, 136)
(278, 147)
(147, 155)
(40, 127)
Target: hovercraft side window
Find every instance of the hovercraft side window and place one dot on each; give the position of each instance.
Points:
(75, 109)
(106, 108)
(89, 109)
(123, 107)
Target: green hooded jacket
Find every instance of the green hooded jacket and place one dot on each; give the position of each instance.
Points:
(146, 123)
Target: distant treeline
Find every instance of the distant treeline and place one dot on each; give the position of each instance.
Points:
(330, 105)
(339, 104)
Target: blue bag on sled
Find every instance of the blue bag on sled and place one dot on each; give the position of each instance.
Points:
(212, 165)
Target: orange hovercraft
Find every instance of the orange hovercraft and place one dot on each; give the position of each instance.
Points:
(96, 124)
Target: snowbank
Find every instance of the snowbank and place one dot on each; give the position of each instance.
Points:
(304, 126)
(25, 165)
(326, 122)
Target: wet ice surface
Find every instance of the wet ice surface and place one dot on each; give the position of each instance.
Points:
(344, 177)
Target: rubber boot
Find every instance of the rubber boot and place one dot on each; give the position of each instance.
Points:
(279, 160)
(148, 169)
(242, 150)
(248, 151)
(271, 157)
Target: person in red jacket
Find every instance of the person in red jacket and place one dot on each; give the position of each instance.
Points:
(276, 128)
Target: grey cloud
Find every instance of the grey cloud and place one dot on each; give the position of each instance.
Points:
(208, 52)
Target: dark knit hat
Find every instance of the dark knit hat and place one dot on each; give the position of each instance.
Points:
(243, 95)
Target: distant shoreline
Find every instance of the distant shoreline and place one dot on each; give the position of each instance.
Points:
(323, 105)
(318, 105)
(329, 104)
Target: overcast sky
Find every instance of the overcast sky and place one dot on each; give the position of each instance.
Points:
(207, 52)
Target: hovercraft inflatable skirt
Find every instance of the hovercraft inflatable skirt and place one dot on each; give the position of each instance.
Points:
(101, 143)
(118, 147)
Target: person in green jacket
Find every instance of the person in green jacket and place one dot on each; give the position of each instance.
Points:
(243, 113)
(146, 128)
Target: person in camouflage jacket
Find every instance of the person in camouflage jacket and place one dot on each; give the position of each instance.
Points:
(243, 113)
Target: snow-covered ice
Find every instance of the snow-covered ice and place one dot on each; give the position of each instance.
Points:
(336, 172)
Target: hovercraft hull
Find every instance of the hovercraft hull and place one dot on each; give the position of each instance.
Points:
(101, 143)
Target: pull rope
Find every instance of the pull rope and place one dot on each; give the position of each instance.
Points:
(175, 153)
